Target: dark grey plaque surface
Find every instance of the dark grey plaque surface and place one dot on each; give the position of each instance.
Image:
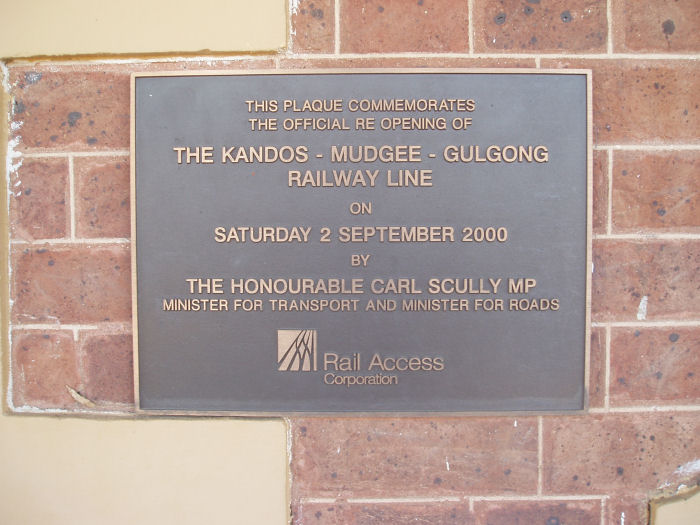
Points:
(493, 346)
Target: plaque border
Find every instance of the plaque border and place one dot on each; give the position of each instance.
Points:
(588, 73)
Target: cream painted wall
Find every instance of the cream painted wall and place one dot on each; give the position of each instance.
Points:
(67, 470)
(51, 27)
(62, 471)
(682, 511)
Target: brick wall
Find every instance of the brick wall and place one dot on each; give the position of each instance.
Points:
(70, 263)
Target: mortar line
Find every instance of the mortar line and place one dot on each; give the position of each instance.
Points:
(552, 497)
(78, 240)
(237, 58)
(647, 147)
(67, 326)
(554, 56)
(470, 14)
(451, 499)
(588, 359)
(648, 324)
(610, 23)
(290, 31)
(336, 22)
(608, 342)
(651, 236)
(71, 195)
(68, 154)
(540, 454)
(164, 59)
(117, 410)
(610, 189)
(6, 374)
(49, 327)
(602, 510)
(643, 409)
(317, 500)
(290, 458)
(456, 499)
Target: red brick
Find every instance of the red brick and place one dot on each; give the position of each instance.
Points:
(655, 366)
(77, 110)
(102, 197)
(614, 453)
(596, 382)
(85, 107)
(626, 509)
(39, 197)
(660, 26)
(413, 457)
(583, 512)
(600, 191)
(385, 26)
(436, 513)
(408, 62)
(109, 372)
(313, 26)
(71, 284)
(218, 64)
(22, 74)
(649, 101)
(43, 364)
(655, 191)
(559, 26)
(667, 273)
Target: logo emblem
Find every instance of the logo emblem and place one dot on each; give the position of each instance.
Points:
(296, 350)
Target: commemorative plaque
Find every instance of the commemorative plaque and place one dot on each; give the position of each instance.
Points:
(361, 241)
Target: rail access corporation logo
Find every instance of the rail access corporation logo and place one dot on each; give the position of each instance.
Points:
(296, 350)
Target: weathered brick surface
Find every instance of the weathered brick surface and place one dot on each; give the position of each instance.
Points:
(656, 191)
(633, 453)
(661, 26)
(313, 26)
(600, 191)
(39, 200)
(243, 63)
(81, 111)
(583, 512)
(385, 26)
(642, 101)
(418, 62)
(414, 457)
(437, 513)
(666, 273)
(559, 26)
(596, 380)
(86, 107)
(102, 197)
(71, 284)
(621, 509)
(652, 366)
(109, 372)
(43, 364)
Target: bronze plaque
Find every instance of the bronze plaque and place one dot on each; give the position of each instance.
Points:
(367, 241)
